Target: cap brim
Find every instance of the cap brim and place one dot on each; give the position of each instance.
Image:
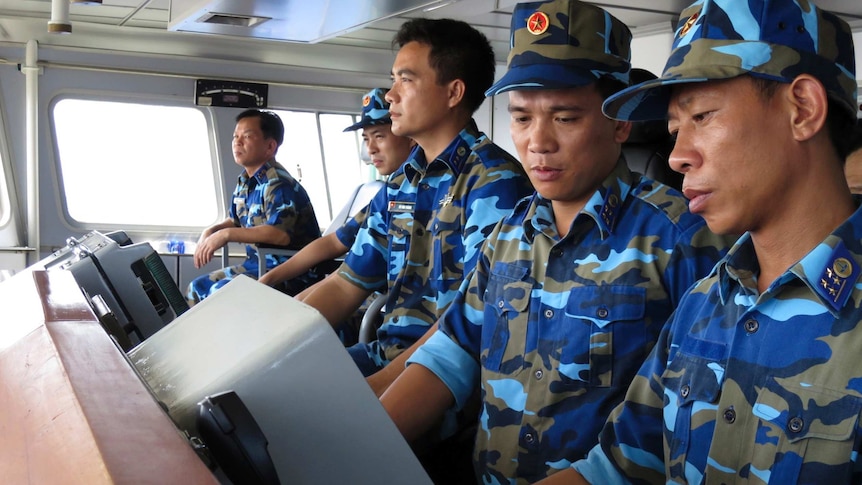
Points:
(366, 124)
(541, 76)
(645, 101)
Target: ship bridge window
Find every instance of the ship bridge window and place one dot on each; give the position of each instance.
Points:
(324, 158)
(130, 164)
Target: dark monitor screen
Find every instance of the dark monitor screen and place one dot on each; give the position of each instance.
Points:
(131, 278)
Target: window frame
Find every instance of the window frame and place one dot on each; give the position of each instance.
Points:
(369, 170)
(171, 102)
(8, 193)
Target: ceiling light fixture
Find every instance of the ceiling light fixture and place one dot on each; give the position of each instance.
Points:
(439, 5)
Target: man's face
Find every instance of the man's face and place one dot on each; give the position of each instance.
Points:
(387, 151)
(565, 143)
(417, 102)
(730, 145)
(250, 149)
(853, 171)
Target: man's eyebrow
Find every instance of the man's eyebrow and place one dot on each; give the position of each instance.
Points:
(401, 71)
(682, 102)
(553, 109)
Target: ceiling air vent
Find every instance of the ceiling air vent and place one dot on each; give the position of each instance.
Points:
(231, 19)
(287, 20)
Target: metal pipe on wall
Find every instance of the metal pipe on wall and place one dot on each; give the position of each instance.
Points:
(59, 23)
(31, 71)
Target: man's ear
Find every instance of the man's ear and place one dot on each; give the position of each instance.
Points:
(456, 92)
(622, 130)
(809, 106)
(272, 147)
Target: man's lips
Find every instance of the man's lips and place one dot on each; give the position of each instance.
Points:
(697, 199)
(544, 173)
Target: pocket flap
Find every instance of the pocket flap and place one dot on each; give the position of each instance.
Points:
(507, 291)
(607, 303)
(809, 412)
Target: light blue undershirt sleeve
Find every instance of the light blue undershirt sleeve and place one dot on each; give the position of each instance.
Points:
(597, 469)
(448, 361)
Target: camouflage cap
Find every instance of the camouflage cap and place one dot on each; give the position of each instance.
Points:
(375, 110)
(768, 39)
(562, 44)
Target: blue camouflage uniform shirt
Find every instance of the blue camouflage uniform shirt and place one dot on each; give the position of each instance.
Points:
(346, 234)
(554, 329)
(272, 196)
(425, 235)
(750, 388)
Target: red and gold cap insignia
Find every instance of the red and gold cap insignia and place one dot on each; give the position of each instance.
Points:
(366, 100)
(538, 23)
(688, 24)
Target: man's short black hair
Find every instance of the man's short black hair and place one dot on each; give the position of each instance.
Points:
(458, 51)
(270, 124)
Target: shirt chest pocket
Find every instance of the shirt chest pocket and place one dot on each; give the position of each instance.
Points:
(400, 227)
(447, 240)
(506, 299)
(603, 333)
(692, 383)
(811, 426)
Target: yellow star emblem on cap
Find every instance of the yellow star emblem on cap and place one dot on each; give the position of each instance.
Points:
(688, 24)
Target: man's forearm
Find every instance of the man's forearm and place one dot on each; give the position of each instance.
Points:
(319, 250)
(260, 234)
(416, 401)
(382, 379)
(336, 299)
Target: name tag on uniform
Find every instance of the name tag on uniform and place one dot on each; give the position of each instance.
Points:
(401, 207)
(238, 201)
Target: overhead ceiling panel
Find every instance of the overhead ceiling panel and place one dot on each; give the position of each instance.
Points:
(306, 21)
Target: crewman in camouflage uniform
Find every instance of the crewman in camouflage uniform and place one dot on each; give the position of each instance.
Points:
(268, 206)
(757, 378)
(387, 153)
(571, 289)
(438, 207)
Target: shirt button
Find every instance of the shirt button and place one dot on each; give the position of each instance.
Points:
(602, 312)
(684, 391)
(501, 303)
(795, 425)
(751, 325)
(549, 313)
(420, 232)
(539, 374)
(424, 186)
(529, 438)
(730, 415)
(556, 252)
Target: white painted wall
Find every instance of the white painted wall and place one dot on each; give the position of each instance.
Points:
(651, 48)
